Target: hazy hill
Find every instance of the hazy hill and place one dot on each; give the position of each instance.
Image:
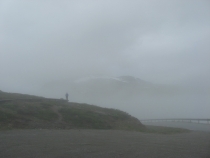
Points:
(25, 111)
(139, 98)
(113, 91)
(5, 95)
(91, 89)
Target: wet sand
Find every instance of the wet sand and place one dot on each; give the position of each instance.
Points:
(102, 143)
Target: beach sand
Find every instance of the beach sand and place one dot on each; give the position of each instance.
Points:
(102, 144)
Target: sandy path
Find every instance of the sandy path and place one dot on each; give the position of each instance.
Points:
(102, 144)
(55, 110)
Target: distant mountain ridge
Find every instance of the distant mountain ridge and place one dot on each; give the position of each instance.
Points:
(101, 89)
(86, 79)
(115, 84)
(126, 79)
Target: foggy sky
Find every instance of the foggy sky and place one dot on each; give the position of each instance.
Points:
(158, 41)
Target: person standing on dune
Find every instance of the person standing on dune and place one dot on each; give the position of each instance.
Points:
(67, 96)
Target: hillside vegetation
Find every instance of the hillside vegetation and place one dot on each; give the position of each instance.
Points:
(18, 111)
(5, 96)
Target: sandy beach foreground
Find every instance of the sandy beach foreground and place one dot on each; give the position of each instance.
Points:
(103, 144)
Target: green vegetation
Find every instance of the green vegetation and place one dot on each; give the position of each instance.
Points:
(6, 117)
(84, 119)
(51, 114)
(25, 111)
(4, 95)
(33, 112)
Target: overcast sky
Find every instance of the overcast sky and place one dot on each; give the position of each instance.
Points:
(159, 41)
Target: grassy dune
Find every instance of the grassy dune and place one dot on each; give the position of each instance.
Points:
(5, 95)
(30, 112)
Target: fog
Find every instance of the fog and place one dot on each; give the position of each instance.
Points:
(47, 46)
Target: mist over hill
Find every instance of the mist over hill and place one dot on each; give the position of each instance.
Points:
(140, 98)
